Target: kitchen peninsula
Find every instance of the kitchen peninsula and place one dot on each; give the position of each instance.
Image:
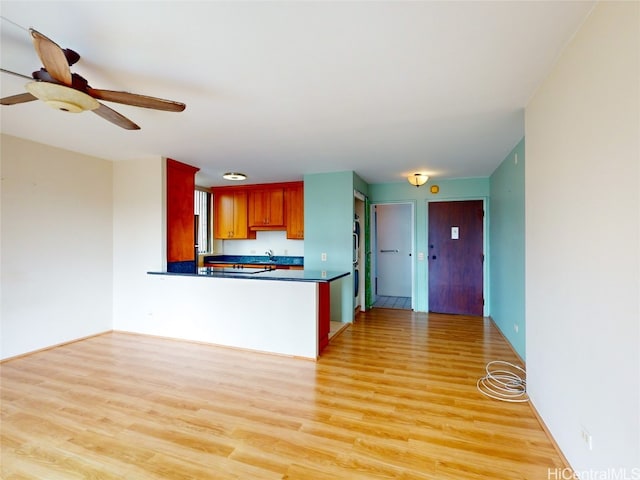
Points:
(277, 311)
(263, 303)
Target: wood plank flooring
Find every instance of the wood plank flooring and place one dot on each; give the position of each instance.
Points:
(392, 397)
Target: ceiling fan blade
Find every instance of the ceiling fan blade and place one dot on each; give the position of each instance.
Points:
(136, 100)
(15, 99)
(116, 118)
(16, 74)
(52, 56)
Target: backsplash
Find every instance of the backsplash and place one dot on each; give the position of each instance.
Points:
(265, 240)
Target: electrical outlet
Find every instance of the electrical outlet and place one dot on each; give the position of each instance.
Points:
(588, 439)
(323, 257)
(516, 328)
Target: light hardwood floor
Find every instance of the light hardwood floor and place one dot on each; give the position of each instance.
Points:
(392, 397)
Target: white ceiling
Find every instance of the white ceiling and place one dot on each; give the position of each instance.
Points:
(280, 89)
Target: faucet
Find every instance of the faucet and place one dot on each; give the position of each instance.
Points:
(270, 253)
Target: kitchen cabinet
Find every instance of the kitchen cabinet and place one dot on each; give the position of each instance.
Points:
(180, 212)
(294, 207)
(266, 208)
(255, 265)
(240, 211)
(230, 215)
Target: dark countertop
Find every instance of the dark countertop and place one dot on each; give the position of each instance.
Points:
(258, 274)
(253, 260)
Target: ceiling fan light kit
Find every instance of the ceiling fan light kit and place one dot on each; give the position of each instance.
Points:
(62, 98)
(418, 179)
(60, 89)
(234, 176)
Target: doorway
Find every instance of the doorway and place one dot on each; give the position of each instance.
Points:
(456, 257)
(392, 227)
(359, 253)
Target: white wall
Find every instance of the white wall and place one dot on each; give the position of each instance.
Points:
(56, 246)
(139, 237)
(262, 315)
(275, 240)
(583, 243)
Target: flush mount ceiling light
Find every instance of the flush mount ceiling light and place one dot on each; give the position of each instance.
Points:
(234, 176)
(418, 179)
(61, 97)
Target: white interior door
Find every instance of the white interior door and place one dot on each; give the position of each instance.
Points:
(393, 249)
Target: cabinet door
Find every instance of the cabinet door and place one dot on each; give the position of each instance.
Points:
(258, 208)
(223, 217)
(266, 208)
(230, 215)
(295, 212)
(180, 212)
(240, 227)
(276, 207)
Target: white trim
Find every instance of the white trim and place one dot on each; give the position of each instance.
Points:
(373, 241)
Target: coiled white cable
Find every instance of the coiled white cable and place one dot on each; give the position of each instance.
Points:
(504, 381)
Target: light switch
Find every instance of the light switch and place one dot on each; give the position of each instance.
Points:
(420, 256)
(455, 233)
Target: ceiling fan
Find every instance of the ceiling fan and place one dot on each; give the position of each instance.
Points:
(59, 88)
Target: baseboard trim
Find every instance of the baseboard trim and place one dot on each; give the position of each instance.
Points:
(553, 440)
(507, 340)
(216, 345)
(51, 347)
(532, 406)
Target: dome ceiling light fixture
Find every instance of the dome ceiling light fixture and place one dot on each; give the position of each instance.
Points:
(234, 176)
(418, 179)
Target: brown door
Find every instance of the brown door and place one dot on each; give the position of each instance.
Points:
(456, 257)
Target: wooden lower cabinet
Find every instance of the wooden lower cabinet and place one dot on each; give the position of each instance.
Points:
(255, 265)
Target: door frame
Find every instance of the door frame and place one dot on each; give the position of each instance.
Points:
(374, 248)
(360, 209)
(485, 236)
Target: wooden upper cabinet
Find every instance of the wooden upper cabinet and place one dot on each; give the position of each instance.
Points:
(294, 203)
(180, 211)
(266, 208)
(230, 215)
(240, 211)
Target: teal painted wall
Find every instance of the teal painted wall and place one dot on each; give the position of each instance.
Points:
(508, 247)
(328, 225)
(453, 189)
